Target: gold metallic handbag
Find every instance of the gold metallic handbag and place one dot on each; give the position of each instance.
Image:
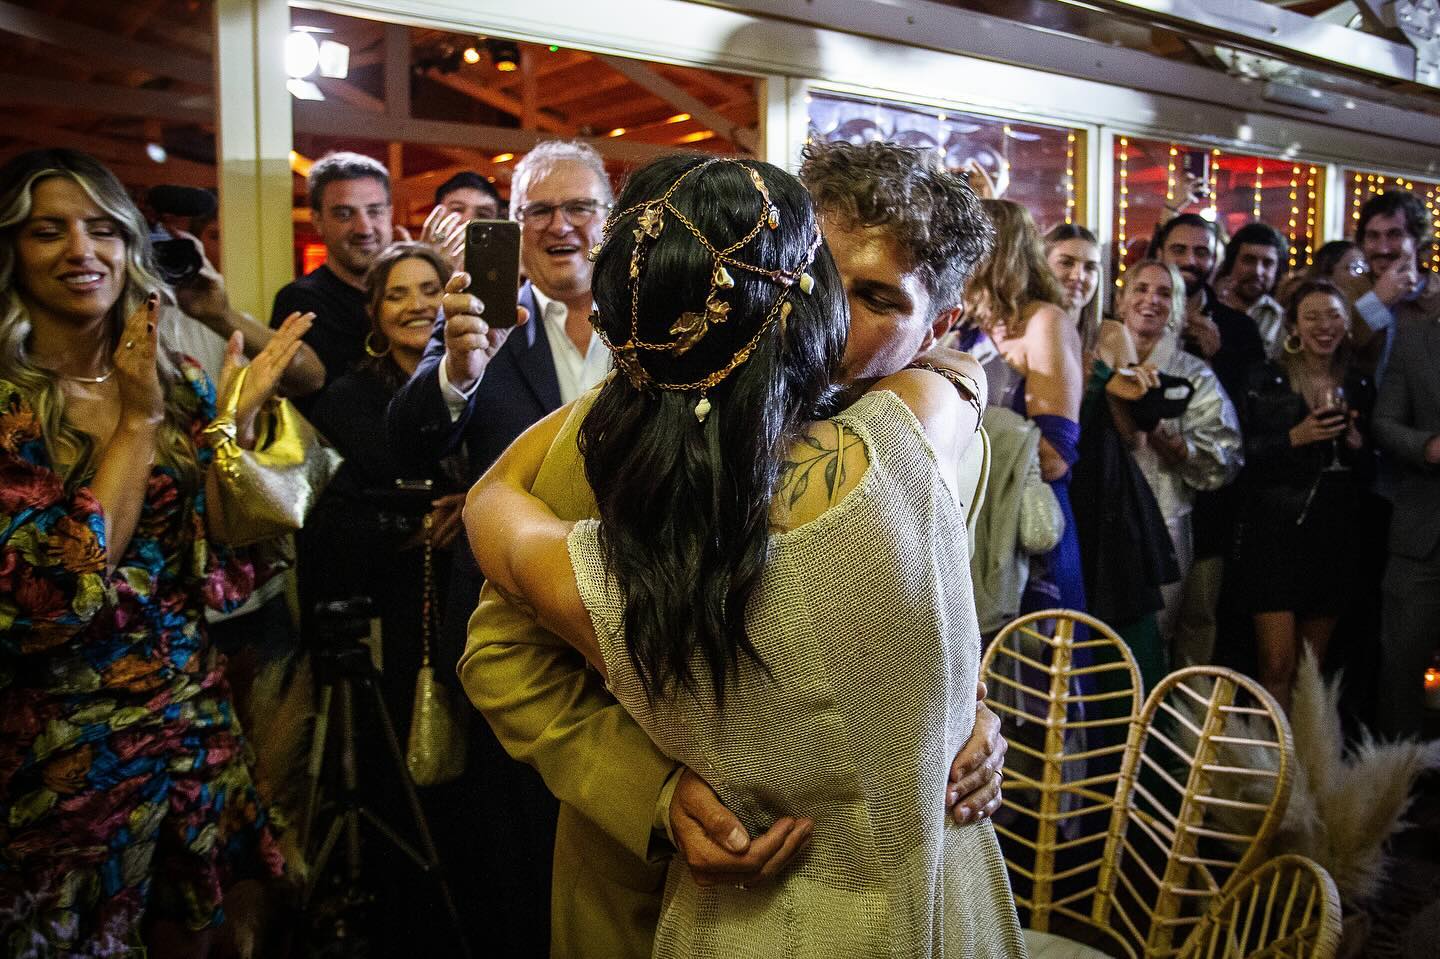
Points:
(266, 492)
(435, 751)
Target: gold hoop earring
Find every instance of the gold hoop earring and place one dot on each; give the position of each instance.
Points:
(371, 350)
(1292, 344)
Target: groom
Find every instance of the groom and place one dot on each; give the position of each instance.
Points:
(903, 233)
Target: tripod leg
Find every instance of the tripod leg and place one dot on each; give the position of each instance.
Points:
(427, 843)
(349, 779)
(316, 765)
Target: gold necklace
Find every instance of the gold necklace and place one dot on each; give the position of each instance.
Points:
(88, 379)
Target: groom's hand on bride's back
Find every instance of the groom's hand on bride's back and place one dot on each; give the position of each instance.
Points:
(973, 793)
(714, 843)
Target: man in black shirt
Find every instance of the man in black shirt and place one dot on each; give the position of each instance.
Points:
(469, 196)
(1230, 341)
(350, 209)
(1226, 338)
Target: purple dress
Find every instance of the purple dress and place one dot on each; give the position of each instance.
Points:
(1056, 579)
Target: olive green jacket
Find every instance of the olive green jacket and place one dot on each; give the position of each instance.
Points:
(549, 709)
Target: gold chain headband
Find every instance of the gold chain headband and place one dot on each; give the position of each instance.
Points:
(691, 327)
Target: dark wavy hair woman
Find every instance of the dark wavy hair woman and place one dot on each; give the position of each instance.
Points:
(759, 568)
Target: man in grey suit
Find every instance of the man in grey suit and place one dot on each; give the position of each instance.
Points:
(1407, 425)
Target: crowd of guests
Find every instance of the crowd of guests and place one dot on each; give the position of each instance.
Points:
(1226, 466)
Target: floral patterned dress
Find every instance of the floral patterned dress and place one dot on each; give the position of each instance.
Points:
(125, 786)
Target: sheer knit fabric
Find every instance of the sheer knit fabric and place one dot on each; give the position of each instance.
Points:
(866, 619)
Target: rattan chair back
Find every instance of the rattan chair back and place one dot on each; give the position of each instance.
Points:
(1065, 752)
(1287, 908)
(1198, 814)
(1137, 849)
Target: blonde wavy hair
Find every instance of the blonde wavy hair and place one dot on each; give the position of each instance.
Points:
(71, 451)
(1015, 275)
(1177, 290)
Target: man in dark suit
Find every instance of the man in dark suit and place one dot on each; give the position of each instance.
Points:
(477, 389)
(1407, 425)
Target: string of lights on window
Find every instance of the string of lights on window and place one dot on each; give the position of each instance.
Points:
(1193, 184)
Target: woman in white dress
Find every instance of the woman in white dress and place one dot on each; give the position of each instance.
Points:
(1181, 456)
(780, 598)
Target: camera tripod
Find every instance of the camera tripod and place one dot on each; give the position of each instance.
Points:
(345, 669)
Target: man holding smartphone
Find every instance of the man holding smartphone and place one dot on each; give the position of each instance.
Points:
(626, 808)
(477, 389)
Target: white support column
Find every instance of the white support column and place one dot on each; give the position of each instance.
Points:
(253, 143)
(1100, 199)
(774, 97)
(1337, 206)
(1097, 190)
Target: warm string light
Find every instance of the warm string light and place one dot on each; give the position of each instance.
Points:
(1430, 210)
(1310, 217)
(1259, 184)
(1070, 178)
(1124, 206)
(1294, 214)
(1355, 201)
(1214, 183)
(1170, 176)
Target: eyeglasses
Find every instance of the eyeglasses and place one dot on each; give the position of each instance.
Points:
(577, 212)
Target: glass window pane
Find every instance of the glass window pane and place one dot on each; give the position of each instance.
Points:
(1233, 189)
(1039, 166)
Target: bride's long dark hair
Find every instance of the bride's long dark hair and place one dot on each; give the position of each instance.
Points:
(685, 505)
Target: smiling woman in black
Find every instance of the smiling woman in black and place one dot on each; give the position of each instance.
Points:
(1308, 457)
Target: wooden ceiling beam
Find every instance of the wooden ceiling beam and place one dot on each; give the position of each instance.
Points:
(347, 92)
(103, 45)
(498, 100)
(579, 92)
(326, 119)
(118, 151)
(713, 83)
(126, 101)
(684, 101)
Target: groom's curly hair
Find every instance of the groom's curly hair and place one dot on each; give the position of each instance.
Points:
(932, 213)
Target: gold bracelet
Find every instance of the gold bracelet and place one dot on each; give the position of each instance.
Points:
(963, 383)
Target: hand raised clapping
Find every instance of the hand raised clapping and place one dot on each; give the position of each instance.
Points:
(142, 398)
(264, 371)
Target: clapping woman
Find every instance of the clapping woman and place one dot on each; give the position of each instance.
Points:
(125, 791)
(1307, 463)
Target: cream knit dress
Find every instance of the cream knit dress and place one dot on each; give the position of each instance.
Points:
(866, 620)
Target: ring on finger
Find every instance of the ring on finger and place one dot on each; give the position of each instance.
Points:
(129, 344)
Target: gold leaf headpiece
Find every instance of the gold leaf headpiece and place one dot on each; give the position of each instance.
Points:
(691, 326)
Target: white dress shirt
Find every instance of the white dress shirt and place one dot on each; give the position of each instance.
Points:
(575, 372)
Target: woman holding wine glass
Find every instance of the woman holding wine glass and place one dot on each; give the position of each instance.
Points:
(1308, 459)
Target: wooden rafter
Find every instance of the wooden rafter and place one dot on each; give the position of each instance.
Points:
(101, 44)
(326, 119)
(498, 100)
(176, 107)
(683, 100)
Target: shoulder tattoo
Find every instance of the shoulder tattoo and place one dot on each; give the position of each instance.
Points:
(816, 457)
